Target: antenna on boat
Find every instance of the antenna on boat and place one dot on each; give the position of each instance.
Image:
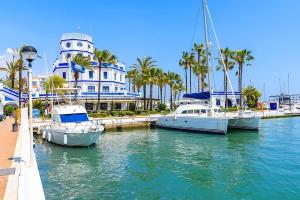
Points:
(51, 89)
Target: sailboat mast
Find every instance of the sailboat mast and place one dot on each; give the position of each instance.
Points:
(207, 50)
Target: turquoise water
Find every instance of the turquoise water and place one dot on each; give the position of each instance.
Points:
(167, 164)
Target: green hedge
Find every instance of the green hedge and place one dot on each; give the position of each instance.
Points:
(122, 113)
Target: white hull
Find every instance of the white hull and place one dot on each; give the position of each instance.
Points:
(245, 123)
(194, 123)
(72, 139)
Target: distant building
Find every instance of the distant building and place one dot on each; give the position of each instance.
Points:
(283, 100)
(38, 83)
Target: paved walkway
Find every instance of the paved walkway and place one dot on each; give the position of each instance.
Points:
(8, 141)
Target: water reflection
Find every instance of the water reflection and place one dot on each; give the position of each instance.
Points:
(165, 164)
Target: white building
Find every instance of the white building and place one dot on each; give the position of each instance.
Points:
(113, 85)
(38, 83)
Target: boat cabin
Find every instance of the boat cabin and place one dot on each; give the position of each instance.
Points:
(69, 114)
(195, 109)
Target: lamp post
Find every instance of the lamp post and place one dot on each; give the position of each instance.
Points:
(30, 53)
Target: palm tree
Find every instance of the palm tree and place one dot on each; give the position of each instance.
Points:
(229, 64)
(129, 76)
(161, 82)
(21, 68)
(252, 95)
(84, 62)
(12, 69)
(151, 78)
(142, 65)
(171, 80)
(102, 57)
(200, 51)
(197, 71)
(241, 57)
(178, 87)
(53, 82)
(187, 61)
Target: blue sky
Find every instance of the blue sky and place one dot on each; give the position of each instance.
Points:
(163, 29)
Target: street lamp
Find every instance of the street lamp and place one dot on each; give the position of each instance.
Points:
(30, 53)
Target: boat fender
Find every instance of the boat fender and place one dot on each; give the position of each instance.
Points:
(65, 139)
(49, 136)
(44, 134)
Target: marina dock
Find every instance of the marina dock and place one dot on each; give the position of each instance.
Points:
(19, 177)
(109, 123)
(112, 123)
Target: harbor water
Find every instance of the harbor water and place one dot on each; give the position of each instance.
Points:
(167, 164)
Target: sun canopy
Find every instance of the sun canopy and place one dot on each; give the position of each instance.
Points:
(201, 95)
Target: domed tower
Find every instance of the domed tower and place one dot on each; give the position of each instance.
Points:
(75, 43)
(72, 44)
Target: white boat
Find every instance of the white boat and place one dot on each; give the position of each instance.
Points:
(195, 117)
(70, 126)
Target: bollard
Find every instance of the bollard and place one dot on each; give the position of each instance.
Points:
(15, 127)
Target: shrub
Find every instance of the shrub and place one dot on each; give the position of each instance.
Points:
(162, 107)
(8, 110)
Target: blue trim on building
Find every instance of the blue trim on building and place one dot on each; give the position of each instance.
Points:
(76, 40)
(13, 94)
(55, 68)
(223, 93)
(95, 81)
(11, 90)
(63, 51)
(63, 66)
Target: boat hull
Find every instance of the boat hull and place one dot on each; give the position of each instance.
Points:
(194, 123)
(72, 139)
(244, 123)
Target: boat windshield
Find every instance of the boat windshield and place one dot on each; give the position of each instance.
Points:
(74, 117)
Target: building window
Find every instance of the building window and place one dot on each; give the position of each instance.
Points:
(91, 74)
(105, 75)
(117, 106)
(89, 106)
(116, 89)
(121, 68)
(64, 75)
(121, 77)
(34, 83)
(115, 76)
(91, 88)
(68, 44)
(89, 46)
(105, 88)
(68, 55)
(103, 106)
(79, 44)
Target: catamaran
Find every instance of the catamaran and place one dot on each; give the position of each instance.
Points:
(196, 117)
(208, 118)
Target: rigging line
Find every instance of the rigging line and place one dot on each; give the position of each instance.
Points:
(195, 26)
(221, 55)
